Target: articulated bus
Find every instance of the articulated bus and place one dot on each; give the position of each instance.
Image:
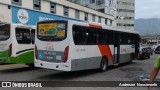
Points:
(71, 45)
(17, 43)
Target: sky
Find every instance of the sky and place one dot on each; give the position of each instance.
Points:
(147, 9)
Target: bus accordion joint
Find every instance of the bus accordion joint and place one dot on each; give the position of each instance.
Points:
(10, 50)
(66, 54)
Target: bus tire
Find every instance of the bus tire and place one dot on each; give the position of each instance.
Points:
(103, 65)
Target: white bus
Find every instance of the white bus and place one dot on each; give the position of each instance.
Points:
(71, 45)
(17, 43)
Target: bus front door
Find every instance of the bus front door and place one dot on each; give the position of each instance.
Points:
(116, 47)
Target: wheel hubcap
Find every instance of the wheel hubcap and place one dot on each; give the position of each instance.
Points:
(104, 65)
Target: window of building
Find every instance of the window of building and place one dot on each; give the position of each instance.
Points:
(23, 36)
(37, 4)
(106, 21)
(93, 18)
(66, 11)
(77, 14)
(17, 2)
(118, 2)
(111, 22)
(86, 16)
(99, 2)
(125, 10)
(99, 19)
(101, 10)
(92, 1)
(53, 8)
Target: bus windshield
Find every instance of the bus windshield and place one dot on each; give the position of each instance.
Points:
(4, 31)
(54, 31)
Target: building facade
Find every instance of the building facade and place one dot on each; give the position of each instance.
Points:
(32, 11)
(125, 14)
(122, 10)
(105, 6)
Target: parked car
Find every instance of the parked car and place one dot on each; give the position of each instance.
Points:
(150, 50)
(143, 53)
(157, 50)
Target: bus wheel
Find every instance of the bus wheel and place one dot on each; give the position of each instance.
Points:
(103, 65)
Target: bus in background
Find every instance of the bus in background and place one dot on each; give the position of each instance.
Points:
(17, 43)
(71, 45)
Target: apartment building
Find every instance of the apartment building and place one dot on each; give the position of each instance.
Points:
(125, 14)
(32, 11)
(105, 6)
(122, 10)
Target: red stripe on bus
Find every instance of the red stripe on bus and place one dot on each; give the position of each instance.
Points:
(94, 26)
(105, 51)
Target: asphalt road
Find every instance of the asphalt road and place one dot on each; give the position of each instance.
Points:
(139, 70)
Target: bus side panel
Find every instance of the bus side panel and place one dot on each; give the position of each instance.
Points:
(107, 51)
(125, 53)
(25, 58)
(112, 61)
(79, 62)
(86, 57)
(4, 50)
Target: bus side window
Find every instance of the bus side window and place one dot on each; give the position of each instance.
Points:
(109, 37)
(126, 38)
(91, 36)
(123, 38)
(101, 36)
(33, 36)
(134, 39)
(129, 39)
(23, 36)
(78, 35)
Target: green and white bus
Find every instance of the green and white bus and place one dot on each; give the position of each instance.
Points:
(17, 43)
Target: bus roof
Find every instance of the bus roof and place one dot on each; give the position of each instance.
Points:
(94, 24)
(104, 26)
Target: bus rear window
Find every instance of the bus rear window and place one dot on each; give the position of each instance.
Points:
(4, 32)
(52, 31)
(23, 35)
